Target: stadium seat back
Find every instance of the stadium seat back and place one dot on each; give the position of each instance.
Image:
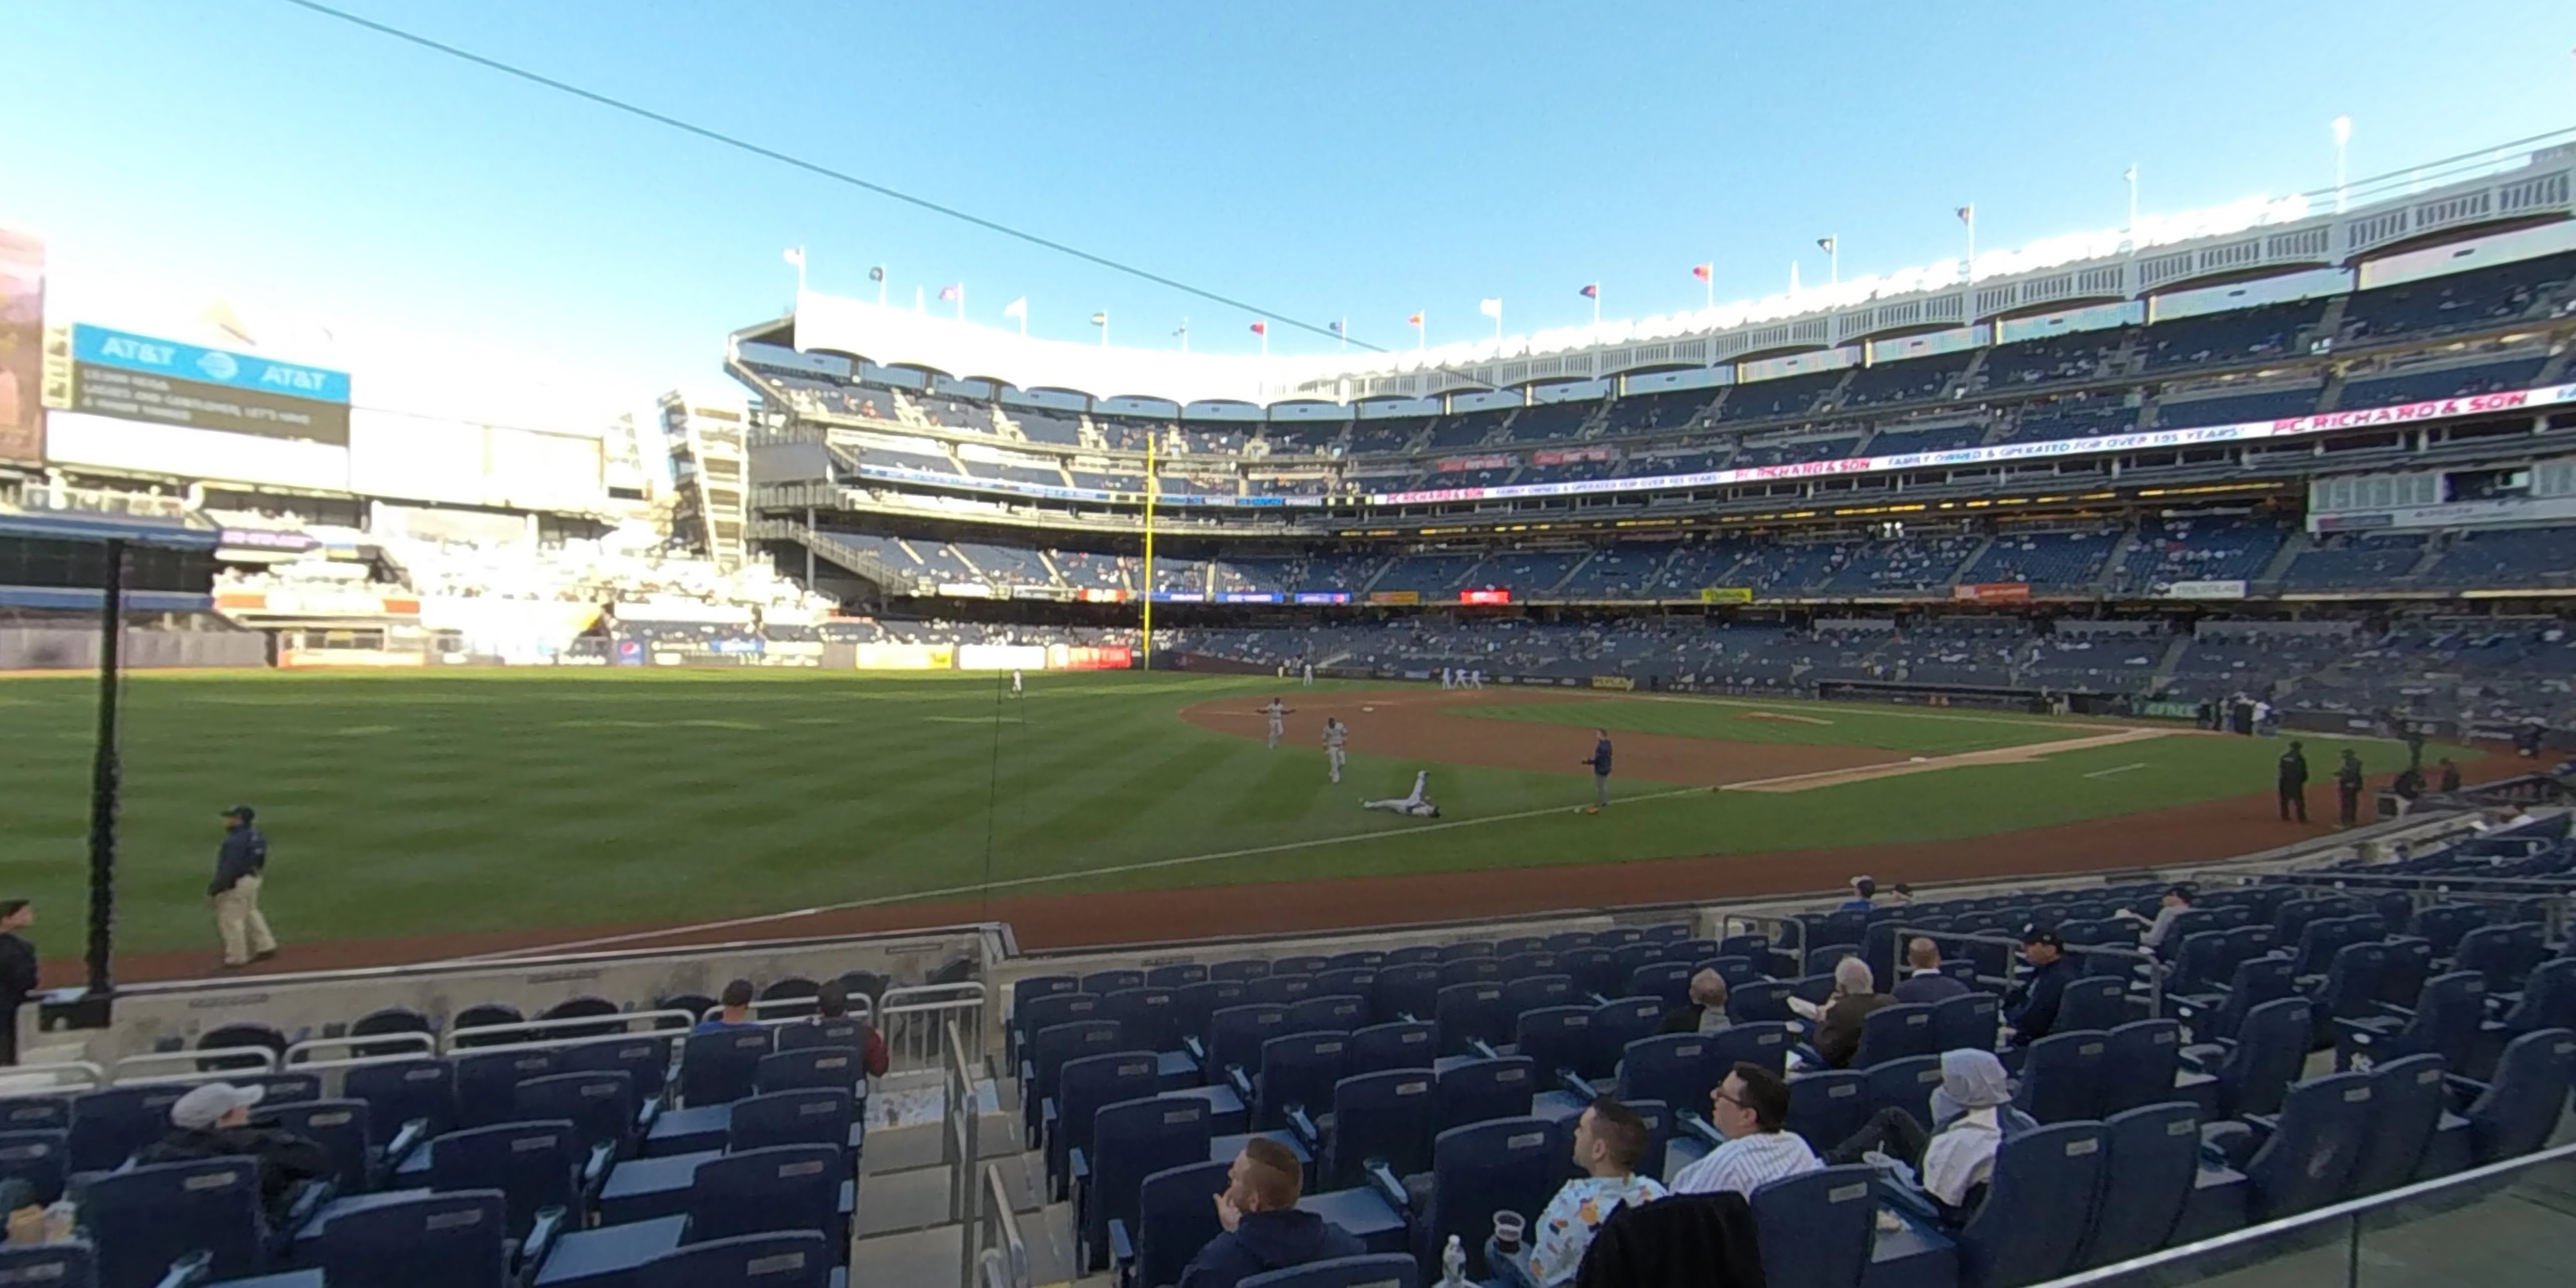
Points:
(719, 1068)
(2271, 1047)
(340, 1127)
(1175, 1217)
(2095, 1003)
(1082, 1087)
(2038, 1209)
(1378, 1116)
(645, 1058)
(1470, 970)
(1903, 1084)
(1328, 1013)
(2402, 976)
(2151, 1163)
(814, 1116)
(487, 1083)
(2139, 1066)
(1360, 959)
(1482, 1090)
(2308, 1160)
(1506, 1165)
(1102, 983)
(1278, 990)
(404, 1091)
(143, 1219)
(1406, 990)
(535, 1166)
(844, 1067)
(1297, 1072)
(38, 1158)
(2061, 1078)
(1357, 982)
(1565, 940)
(1236, 1033)
(1051, 1009)
(802, 1259)
(1765, 1002)
(778, 1187)
(109, 1124)
(389, 1020)
(2408, 1097)
(1615, 1024)
(451, 1240)
(36, 1113)
(1763, 1044)
(1470, 1013)
(1666, 982)
(2505, 954)
(1556, 1040)
(1530, 961)
(2521, 1107)
(2548, 999)
(1402, 1044)
(2443, 925)
(1179, 975)
(1378, 1270)
(1531, 992)
(1816, 1229)
(1194, 1004)
(1242, 970)
(1048, 1051)
(1029, 988)
(1679, 1069)
(1898, 1032)
(1131, 1141)
(1827, 1106)
(68, 1264)
(1969, 1021)
(600, 1106)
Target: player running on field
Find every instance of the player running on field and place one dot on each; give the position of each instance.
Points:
(1336, 737)
(1417, 805)
(1278, 712)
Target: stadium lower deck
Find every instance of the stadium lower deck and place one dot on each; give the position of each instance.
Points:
(2349, 1017)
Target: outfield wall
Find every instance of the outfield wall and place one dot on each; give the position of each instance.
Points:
(44, 648)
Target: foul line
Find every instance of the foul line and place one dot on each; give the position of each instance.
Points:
(2117, 769)
(952, 892)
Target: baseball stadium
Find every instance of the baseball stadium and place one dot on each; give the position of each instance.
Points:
(2049, 767)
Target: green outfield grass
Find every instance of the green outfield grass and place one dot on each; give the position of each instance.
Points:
(417, 804)
(1815, 724)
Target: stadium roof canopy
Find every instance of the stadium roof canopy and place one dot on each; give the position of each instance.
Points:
(2526, 182)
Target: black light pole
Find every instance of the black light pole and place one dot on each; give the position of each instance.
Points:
(105, 775)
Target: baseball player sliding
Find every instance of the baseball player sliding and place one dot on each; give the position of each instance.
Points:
(1417, 805)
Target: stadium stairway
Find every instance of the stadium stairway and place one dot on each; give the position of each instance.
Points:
(1984, 544)
(905, 1236)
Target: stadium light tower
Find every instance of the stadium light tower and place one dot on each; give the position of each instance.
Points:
(2343, 139)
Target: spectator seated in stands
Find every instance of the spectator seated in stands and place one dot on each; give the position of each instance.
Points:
(1264, 1228)
(2170, 908)
(2031, 1009)
(1864, 896)
(1751, 1110)
(213, 1121)
(1925, 982)
(1609, 1141)
(1706, 1011)
(832, 1004)
(1972, 1113)
(733, 1009)
(1838, 1020)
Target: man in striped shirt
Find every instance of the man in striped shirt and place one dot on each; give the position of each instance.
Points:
(1750, 1109)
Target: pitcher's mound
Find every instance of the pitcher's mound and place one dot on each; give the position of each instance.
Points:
(1780, 717)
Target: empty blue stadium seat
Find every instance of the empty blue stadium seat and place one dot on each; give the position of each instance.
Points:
(1898, 1032)
(1044, 1057)
(40, 1113)
(1816, 1229)
(143, 1219)
(1328, 1012)
(1763, 1044)
(1377, 1117)
(1471, 1013)
(801, 1259)
(2308, 1159)
(819, 1066)
(450, 1240)
(2257, 1067)
(2095, 1003)
(1827, 1106)
(2140, 1066)
(1144, 1015)
(1402, 1044)
(2444, 1022)
(1679, 1069)
(404, 1091)
(1475, 1091)
(1615, 1024)
(1506, 1165)
(533, 1164)
(71, 1264)
(2061, 1078)
(39, 1158)
(778, 1187)
(1556, 1040)
(1082, 1087)
(2150, 1163)
(718, 1068)
(2038, 1210)
(1380, 1270)
(1102, 983)
(1406, 990)
(646, 1057)
(2408, 1098)
(1296, 1072)
(812, 1116)
(1906, 1085)
(1194, 1004)
(1968, 1021)
(2517, 1111)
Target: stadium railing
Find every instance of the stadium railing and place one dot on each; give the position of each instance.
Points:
(541, 1035)
(2499, 1225)
(959, 1143)
(996, 1240)
(2153, 979)
(237, 1060)
(915, 1020)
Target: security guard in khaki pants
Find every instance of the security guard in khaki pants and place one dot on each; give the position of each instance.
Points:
(235, 892)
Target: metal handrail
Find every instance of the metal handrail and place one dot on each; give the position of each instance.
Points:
(428, 1045)
(958, 1140)
(860, 1009)
(998, 1231)
(2251, 1234)
(267, 1059)
(673, 1036)
(947, 1004)
(682, 1021)
(96, 1076)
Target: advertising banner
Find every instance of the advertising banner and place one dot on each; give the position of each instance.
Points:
(1489, 596)
(318, 659)
(1088, 657)
(135, 377)
(2202, 590)
(1458, 464)
(22, 347)
(1395, 597)
(1726, 594)
(1323, 597)
(1095, 595)
(1571, 455)
(905, 657)
(1251, 597)
(1619, 682)
(1993, 592)
(1001, 657)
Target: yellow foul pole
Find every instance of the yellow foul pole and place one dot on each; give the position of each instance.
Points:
(1153, 485)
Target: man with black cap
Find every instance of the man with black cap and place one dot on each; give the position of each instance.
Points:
(2348, 785)
(17, 971)
(2031, 1010)
(2294, 783)
(235, 892)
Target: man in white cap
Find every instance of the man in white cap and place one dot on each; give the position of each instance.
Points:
(213, 1121)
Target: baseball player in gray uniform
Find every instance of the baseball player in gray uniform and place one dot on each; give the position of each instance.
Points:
(1278, 712)
(1336, 737)
(1418, 805)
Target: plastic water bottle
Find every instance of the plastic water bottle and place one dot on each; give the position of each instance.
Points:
(1453, 1264)
(60, 1220)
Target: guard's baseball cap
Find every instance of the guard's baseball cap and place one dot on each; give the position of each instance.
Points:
(243, 812)
(2039, 935)
(206, 1105)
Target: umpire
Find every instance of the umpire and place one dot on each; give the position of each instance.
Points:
(235, 891)
(2348, 784)
(2294, 784)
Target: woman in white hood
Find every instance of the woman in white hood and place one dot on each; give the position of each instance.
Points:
(1972, 1113)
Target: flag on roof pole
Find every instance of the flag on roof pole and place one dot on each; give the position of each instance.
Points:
(1341, 333)
(1833, 249)
(1419, 343)
(1968, 216)
(796, 255)
(1101, 320)
(1707, 275)
(877, 275)
(955, 291)
(1018, 308)
(1262, 329)
(1183, 331)
(1592, 291)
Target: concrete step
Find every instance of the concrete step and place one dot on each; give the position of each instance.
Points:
(933, 1257)
(917, 1198)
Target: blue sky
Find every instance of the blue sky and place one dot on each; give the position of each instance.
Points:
(1327, 160)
